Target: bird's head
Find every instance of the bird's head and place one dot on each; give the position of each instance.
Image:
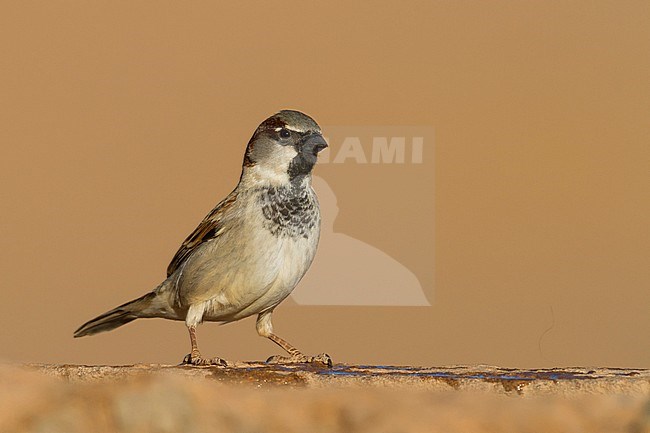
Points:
(283, 149)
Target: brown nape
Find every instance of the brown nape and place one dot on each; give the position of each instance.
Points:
(248, 162)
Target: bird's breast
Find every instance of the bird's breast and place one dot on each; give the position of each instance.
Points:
(287, 233)
(289, 211)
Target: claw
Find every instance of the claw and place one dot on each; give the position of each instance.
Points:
(197, 360)
(277, 359)
(323, 359)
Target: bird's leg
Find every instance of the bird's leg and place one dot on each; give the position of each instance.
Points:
(194, 357)
(265, 329)
(195, 346)
(296, 355)
(286, 346)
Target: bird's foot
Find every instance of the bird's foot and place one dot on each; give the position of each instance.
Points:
(198, 360)
(322, 359)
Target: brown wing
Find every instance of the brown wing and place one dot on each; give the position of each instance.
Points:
(207, 230)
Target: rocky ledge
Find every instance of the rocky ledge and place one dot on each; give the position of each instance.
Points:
(256, 397)
(555, 381)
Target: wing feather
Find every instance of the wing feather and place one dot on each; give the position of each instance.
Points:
(208, 229)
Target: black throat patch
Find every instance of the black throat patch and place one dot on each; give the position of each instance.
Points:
(300, 166)
(289, 211)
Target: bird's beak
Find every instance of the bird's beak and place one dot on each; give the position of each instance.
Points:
(314, 143)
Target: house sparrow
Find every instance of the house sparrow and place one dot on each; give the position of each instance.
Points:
(250, 251)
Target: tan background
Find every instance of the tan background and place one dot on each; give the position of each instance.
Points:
(121, 125)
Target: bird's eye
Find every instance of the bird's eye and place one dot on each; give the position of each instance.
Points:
(284, 133)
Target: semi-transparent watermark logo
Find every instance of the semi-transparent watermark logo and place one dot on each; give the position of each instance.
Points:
(373, 261)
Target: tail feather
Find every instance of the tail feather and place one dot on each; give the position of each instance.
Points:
(116, 317)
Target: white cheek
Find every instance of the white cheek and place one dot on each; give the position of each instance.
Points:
(287, 153)
(282, 158)
(274, 169)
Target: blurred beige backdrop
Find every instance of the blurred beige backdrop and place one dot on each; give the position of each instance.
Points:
(123, 123)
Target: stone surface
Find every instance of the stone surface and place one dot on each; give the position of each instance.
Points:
(255, 397)
(560, 381)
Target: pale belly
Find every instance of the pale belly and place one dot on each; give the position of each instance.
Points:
(262, 274)
(287, 266)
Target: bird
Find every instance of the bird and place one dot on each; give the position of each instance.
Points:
(250, 251)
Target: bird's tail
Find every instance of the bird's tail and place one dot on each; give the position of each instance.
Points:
(117, 316)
